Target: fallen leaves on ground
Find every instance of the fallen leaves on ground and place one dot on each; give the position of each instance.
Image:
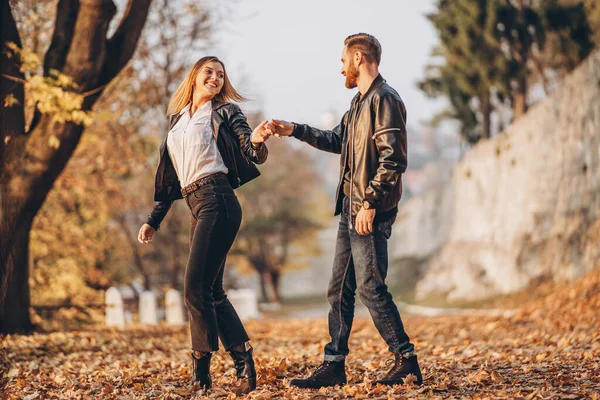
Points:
(548, 349)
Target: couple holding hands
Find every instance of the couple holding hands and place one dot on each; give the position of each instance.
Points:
(210, 150)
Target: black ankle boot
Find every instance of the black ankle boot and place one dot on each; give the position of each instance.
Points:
(202, 369)
(330, 373)
(402, 368)
(244, 366)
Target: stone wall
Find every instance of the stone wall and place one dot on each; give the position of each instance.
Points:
(520, 207)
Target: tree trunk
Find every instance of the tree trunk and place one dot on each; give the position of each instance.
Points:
(12, 127)
(130, 238)
(486, 111)
(520, 102)
(257, 260)
(275, 279)
(14, 317)
(264, 297)
(175, 267)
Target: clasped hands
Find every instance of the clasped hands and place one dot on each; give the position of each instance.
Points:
(279, 128)
(268, 128)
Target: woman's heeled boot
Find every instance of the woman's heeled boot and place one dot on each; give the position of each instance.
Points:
(244, 366)
(201, 372)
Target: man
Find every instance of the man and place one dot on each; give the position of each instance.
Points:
(371, 139)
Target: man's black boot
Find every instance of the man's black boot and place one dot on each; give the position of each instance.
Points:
(402, 368)
(201, 372)
(330, 373)
(244, 366)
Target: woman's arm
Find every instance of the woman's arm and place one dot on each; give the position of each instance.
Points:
(152, 224)
(257, 153)
(160, 209)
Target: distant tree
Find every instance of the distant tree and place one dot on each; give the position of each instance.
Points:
(540, 37)
(441, 81)
(491, 52)
(592, 10)
(283, 210)
(472, 65)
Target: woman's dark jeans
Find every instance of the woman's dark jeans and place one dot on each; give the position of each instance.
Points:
(216, 218)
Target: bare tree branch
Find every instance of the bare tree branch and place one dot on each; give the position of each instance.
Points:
(122, 44)
(87, 58)
(66, 16)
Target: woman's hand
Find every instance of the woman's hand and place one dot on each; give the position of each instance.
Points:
(279, 128)
(146, 233)
(260, 134)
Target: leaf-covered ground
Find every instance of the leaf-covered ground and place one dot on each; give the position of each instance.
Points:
(548, 349)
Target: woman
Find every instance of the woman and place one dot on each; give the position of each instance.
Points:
(209, 150)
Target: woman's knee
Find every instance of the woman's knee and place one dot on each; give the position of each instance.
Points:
(219, 295)
(198, 296)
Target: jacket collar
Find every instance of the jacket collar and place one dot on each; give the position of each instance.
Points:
(376, 82)
(215, 106)
(217, 119)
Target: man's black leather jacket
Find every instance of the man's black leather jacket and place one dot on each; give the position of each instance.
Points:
(371, 138)
(232, 133)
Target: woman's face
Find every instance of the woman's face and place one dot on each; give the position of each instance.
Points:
(209, 80)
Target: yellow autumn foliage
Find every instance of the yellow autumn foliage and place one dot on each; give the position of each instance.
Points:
(53, 95)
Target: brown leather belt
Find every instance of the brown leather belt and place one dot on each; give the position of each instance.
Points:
(216, 178)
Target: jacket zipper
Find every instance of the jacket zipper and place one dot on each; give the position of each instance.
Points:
(351, 166)
(351, 176)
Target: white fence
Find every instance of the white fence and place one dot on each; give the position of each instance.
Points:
(244, 301)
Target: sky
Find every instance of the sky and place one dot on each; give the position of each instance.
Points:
(285, 54)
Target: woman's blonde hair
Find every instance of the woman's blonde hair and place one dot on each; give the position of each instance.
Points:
(185, 91)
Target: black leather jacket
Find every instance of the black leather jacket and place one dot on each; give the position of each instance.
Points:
(372, 139)
(232, 134)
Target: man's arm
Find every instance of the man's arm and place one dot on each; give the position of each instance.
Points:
(390, 139)
(326, 140)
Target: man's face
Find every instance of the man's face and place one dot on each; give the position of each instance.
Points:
(349, 69)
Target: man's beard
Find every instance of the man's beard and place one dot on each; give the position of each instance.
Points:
(352, 77)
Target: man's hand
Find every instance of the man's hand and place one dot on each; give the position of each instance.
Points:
(364, 221)
(260, 134)
(280, 128)
(145, 234)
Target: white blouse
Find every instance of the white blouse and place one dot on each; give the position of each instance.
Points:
(192, 146)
